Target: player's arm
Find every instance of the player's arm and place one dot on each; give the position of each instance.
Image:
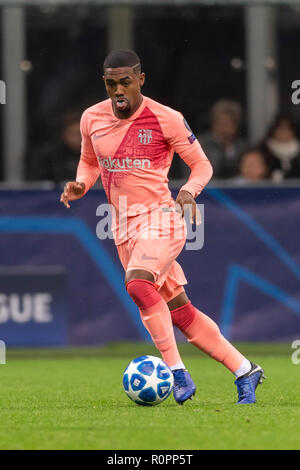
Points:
(187, 146)
(201, 173)
(88, 170)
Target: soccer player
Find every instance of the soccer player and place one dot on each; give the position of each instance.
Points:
(129, 140)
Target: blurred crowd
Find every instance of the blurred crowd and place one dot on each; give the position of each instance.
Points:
(275, 158)
(67, 45)
(57, 159)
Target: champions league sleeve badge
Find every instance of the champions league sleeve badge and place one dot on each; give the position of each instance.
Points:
(192, 137)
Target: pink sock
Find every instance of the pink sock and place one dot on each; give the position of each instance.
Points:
(156, 318)
(204, 333)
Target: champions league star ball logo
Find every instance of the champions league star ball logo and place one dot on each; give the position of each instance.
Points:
(145, 136)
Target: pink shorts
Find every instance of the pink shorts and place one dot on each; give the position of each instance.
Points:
(154, 247)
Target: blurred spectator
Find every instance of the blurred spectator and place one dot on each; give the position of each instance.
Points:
(58, 160)
(253, 167)
(282, 147)
(222, 143)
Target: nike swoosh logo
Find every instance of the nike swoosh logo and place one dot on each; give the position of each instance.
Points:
(258, 368)
(148, 257)
(96, 137)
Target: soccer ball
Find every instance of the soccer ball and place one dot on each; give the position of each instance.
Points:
(147, 380)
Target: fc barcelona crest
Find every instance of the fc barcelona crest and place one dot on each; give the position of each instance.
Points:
(145, 136)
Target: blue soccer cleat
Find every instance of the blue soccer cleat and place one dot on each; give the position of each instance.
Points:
(246, 385)
(184, 386)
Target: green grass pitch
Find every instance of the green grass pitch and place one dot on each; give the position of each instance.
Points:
(74, 399)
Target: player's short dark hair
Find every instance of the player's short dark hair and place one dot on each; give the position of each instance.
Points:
(122, 58)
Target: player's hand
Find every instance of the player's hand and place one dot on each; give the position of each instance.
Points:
(186, 203)
(72, 191)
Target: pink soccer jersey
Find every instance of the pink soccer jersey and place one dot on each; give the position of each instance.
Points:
(133, 156)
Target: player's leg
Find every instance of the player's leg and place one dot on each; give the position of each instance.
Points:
(150, 261)
(155, 314)
(205, 334)
(171, 287)
(156, 318)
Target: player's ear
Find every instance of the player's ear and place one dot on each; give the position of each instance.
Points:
(142, 78)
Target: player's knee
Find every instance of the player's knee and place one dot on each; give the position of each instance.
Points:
(143, 293)
(183, 317)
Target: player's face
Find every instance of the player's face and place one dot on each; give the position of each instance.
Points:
(123, 87)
